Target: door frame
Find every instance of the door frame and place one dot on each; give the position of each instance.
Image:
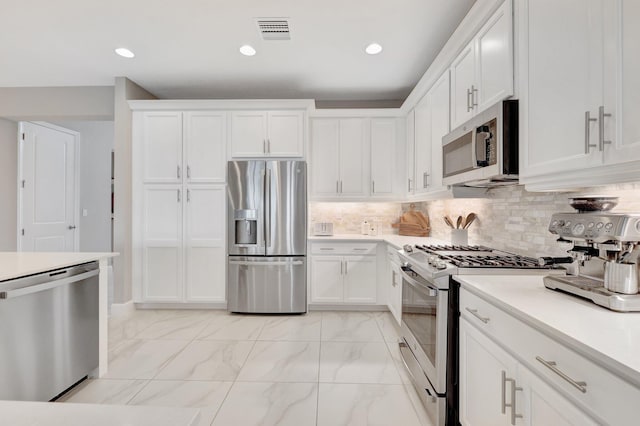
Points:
(76, 178)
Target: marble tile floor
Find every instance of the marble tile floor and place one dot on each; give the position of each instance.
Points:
(322, 368)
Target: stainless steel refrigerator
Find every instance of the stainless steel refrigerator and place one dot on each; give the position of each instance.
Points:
(267, 236)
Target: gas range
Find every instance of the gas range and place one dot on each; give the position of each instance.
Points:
(435, 261)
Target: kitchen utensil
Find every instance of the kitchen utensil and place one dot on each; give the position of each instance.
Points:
(459, 222)
(412, 230)
(471, 217)
(459, 237)
(593, 203)
(448, 222)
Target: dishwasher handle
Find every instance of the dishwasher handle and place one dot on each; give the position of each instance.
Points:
(10, 294)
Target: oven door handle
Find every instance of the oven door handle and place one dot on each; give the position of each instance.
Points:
(430, 291)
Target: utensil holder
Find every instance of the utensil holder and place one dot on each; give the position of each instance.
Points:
(459, 237)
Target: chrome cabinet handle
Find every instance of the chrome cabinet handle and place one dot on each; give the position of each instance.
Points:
(189, 200)
(551, 365)
(178, 172)
(601, 116)
(326, 248)
(188, 172)
(409, 190)
(373, 187)
(475, 313)
(587, 131)
(360, 249)
(264, 146)
(346, 267)
(337, 187)
(511, 404)
(468, 100)
(474, 91)
(179, 195)
(268, 146)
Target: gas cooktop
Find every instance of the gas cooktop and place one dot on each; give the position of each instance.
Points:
(479, 257)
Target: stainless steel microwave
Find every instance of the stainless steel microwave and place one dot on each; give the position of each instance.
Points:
(483, 152)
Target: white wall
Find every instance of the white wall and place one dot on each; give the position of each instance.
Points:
(57, 103)
(96, 144)
(8, 184)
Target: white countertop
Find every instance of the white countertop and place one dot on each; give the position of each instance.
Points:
(609, 338)
(20, 413)
(20, 264)
(395, 240)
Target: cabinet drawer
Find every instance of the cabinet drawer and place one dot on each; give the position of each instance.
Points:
(605, 395)
(344, 248)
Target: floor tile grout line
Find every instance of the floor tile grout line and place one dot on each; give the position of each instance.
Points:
(319, 366)
(140, 390)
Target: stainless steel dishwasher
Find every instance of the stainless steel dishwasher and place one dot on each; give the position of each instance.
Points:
(48, 332)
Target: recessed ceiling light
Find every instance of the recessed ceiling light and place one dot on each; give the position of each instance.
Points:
(373, 49)
(247, 50)
(124, 52)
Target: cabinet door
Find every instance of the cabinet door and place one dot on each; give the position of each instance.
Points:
(563, 74)
(463, 86)
(482, 364)
(205, 140)
(286, 133)
(411, 153)
(326, 279)
(162, 147)
(162, 244)
(360, 284)
(205, 278)
(353, 157)
(494, 58)
(423, 150)
(383, 155)
(622, 84)
(438, 101)
(325, 142)
(544, 406)
(248, 134)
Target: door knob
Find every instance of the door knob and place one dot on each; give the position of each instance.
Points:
(72, 227)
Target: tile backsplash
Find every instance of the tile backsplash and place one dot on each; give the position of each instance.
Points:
(516, 220)
(347, 217)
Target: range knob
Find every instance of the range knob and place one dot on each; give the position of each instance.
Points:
(578, 229)
(440, 264)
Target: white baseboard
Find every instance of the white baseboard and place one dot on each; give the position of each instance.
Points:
(120, 309)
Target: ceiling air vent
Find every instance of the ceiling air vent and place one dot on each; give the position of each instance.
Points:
(274, 29)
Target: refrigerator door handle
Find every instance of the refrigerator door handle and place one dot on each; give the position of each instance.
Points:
(267, 208)
(267, 263)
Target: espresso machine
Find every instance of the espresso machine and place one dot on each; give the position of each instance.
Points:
(604, 262)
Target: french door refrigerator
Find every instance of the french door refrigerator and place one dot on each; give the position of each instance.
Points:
(267, 236)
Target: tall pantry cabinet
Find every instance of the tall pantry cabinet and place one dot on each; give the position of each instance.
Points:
(178, 205)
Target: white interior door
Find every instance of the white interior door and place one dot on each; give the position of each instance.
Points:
(48, 189)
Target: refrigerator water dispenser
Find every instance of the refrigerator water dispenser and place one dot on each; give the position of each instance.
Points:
(246, 227)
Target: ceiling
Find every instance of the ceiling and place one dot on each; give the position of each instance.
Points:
(189, 49)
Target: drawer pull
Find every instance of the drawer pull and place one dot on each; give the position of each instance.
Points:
(475, 313)
(326, 248)
(551, 365)
(360, 249)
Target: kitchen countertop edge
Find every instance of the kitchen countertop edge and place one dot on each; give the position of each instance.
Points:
(606, 361)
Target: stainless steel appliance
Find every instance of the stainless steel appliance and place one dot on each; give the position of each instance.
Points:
(483, 152)
(430, 311)
(49, 332)
(605, 257)
(267, 236)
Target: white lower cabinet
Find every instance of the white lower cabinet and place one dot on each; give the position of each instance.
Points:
(513, 374)
(183, 244)
(393, 280)
(338, 277)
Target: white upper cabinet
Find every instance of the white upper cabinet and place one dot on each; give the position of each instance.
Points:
(339, 157)
(579, 90)
(410, 154)
(431, 124)
(482, 74)
(383, 155)
(186, 146)
(205, 140)
(267, 133)
(353, 157)
(162, 147)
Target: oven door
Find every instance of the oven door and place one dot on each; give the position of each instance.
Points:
(424, 326)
